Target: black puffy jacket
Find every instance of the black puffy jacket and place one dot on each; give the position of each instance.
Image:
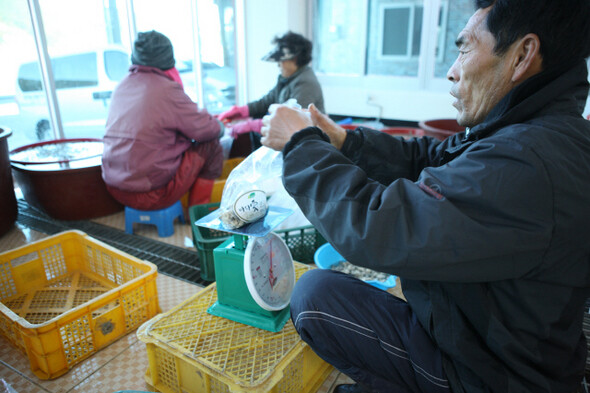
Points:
(488, 230)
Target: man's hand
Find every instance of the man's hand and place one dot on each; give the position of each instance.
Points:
(336, 133)
(281, 124)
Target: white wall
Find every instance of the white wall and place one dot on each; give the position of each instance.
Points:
(265, 19)
(393, 98)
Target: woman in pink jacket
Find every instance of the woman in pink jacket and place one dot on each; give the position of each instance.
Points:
(158, 144)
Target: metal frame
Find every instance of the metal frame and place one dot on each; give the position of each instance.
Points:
(46, 69)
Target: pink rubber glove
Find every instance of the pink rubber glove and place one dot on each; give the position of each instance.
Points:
(235, 112)
(253, 125)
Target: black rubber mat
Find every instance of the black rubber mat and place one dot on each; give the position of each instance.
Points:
(171, 260)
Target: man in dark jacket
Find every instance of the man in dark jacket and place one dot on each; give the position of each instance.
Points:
(488, 229)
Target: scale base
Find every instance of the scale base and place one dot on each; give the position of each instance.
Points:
(271, 323)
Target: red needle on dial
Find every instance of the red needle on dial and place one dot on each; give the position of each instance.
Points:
(271, 276)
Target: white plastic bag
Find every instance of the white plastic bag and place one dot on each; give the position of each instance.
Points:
(252, 184)
(248, 186)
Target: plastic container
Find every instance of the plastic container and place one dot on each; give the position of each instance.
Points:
(326, 256)
(205, 239)
(7, 196)
(440, 128)
(190, 350)
(302, 241)
(406, 132)
(65, 297)
(63, 178)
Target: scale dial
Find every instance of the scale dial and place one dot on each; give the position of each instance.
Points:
(269, 271)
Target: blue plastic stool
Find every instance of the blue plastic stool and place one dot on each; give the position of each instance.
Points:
(163, 218)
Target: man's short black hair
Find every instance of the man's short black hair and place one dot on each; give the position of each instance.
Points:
(563, 27)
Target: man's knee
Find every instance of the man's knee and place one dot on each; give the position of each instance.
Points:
(312, 287)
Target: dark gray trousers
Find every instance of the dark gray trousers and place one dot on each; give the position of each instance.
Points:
(366, 333)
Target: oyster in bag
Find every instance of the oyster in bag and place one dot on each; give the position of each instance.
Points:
(248, 207)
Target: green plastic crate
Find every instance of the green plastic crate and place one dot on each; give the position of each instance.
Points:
(302, 241)
(206, 239)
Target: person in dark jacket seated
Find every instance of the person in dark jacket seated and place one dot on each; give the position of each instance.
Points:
(488, 229)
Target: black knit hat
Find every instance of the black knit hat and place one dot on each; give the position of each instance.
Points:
(153, 49)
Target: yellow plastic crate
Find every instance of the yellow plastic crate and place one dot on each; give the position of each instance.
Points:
(192, 351)
(65, 297)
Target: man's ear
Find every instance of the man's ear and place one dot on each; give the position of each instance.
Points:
(527, 58)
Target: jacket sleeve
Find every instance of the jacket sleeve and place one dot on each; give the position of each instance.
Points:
(386, 159)
(447, 223)
(259, 108)
(306, 90)
(194, 123)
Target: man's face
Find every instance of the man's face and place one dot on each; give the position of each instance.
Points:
(480, 78)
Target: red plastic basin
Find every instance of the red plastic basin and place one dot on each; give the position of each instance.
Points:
(440, 128)
(406, 132)
(63, 178)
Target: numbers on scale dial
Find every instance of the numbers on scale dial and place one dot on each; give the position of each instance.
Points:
(271, 272)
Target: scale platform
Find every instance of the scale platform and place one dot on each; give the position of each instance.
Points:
(275, 216)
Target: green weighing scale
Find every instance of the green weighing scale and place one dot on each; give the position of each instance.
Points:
(254, 272)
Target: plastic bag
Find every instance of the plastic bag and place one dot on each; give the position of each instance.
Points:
(251, 185)
(244, 198)
(281, 198)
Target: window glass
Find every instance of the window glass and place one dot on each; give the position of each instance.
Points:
(217, 24)
(383, 37)
(29, 77)
(90, 49)
(417, 30)
(394, 28)
(395, 31)
(456, 17)
(116, 64)
(76, 42)
(68, 72)
(217, 52)
(22, 98)
(339, 36)
(75, 71)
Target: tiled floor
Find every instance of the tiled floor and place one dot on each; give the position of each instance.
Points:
(121, 365)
